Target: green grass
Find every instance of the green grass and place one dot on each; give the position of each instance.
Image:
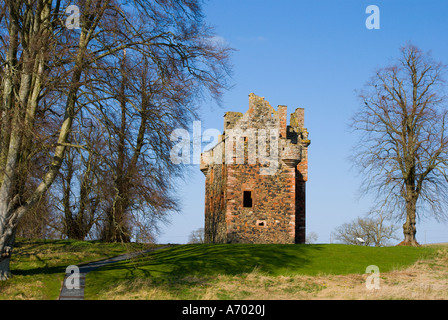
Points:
(201, 262)
(38, 266)
(186, 271)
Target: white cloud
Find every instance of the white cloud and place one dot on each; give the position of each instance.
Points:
(219, 41)
(255, 39)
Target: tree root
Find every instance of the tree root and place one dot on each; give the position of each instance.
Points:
(5, 275)
(409, 243)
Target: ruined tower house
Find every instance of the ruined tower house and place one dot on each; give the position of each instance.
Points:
(256, 176)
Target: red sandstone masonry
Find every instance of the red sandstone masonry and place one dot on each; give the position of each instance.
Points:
(277, 213)
(282, 115)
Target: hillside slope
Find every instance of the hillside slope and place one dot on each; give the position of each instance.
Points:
(247, 271)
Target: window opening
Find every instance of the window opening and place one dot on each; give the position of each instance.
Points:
(247, 200)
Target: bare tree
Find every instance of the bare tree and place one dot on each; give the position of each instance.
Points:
(403, 147)
(27, 29)
(79, 190)
(311, 237)
(196, 236)
(371, 231)
(51, 74)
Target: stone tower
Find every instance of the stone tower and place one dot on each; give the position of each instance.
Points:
(255, 177)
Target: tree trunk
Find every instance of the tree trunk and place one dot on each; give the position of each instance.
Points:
(12, 205)
(116, 227)
(6, 246)
(409, 229)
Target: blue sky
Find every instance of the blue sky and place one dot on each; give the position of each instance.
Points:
(313, 55)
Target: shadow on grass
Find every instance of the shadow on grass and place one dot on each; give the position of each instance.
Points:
(186, 270)
(181, 268)
(224, 259)
(38, 271)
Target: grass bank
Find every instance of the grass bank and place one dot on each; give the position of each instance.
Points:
(38, 266)
(228, 271)
(243, 271)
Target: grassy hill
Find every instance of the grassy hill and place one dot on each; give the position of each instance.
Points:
(273, 259)
(38, 266)
(200, 271)
(193, 271)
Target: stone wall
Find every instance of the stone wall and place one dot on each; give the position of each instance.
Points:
(215, 205)
(271, 217)
(248, 199)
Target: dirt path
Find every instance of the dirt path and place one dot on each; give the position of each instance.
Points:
(69, 293)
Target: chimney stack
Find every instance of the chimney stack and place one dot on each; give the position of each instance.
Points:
(282, 117)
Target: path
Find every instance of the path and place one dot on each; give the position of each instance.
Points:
(78, 294)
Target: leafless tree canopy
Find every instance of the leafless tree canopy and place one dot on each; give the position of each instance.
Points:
(89, 110)
(403, 145)
(196, 236)
(373, 231)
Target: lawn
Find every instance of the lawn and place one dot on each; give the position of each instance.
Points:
(38, 266)
(188, 271)
(202, 271)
